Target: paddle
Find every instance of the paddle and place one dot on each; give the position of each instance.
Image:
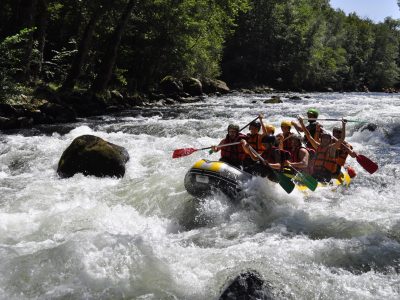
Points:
(318, 119)
(248, 124)
(285, 182)
(307, 179)
(187, 151)
(364, 161)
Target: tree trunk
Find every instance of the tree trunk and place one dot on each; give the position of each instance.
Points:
(43, 18)
(110, 56)
(83, 50)
(27, 20)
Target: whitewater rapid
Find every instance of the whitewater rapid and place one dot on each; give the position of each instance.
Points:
(144, 237)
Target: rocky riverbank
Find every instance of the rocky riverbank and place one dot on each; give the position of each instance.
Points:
(49, 106)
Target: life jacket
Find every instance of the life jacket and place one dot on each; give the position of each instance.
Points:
(255, 142)
(233, 152)
(271, 154)
(286, 145)
(341, 154)
(323, 161)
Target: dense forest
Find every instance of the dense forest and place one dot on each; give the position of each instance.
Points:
(130, 45)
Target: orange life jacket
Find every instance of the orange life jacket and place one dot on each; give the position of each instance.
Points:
(341, 154)
(323, 161)
(234, 152)
(255, 142)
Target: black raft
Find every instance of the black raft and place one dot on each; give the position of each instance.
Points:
(206, 177)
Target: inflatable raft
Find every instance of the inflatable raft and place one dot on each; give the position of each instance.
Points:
(344, 180)
(206, 177)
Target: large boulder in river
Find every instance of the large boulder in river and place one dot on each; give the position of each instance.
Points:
(171, 85)
(247, 286)
(192, 86)
(92, 155)
(211, 86)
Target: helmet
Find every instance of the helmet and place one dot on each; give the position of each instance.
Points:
(234, 127)
(269, 139)
(313, 111)
(270, 128)
(255, 124)
(286, 123)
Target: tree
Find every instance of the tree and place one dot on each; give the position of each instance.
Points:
(83, 49)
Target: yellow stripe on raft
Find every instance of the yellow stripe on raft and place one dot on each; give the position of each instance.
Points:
(214, 166)
(345, 181)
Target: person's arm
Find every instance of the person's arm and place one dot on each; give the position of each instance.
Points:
(318, 131)
(349, 150)
(216, 148)
(303, 163)
(297, 126)
(313, 142)
(277, 157)
(247, 150)
(264, 130)
(340, 141)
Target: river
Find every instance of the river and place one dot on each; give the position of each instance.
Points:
(144, 237)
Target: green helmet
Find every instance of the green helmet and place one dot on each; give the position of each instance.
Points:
(313, 111)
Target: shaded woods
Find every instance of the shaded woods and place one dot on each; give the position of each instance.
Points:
(131, 45)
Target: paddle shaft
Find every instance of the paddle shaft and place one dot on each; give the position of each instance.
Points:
(223, 145)
(317, 119)
(260, 158)
(248, 124)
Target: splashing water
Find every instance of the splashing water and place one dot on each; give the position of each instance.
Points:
(144, 237)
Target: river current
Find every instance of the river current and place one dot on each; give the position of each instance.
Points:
(144, 237)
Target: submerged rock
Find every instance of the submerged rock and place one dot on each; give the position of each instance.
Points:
(369, 127)
(247, 286)
(273, 100)
(92, 155)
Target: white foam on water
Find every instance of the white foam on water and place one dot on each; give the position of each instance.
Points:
(144, 237)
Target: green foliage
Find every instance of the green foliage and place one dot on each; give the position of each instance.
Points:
(305, 44)
(55, 69)
(182, 38)
(12, 62)
(289, 44)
